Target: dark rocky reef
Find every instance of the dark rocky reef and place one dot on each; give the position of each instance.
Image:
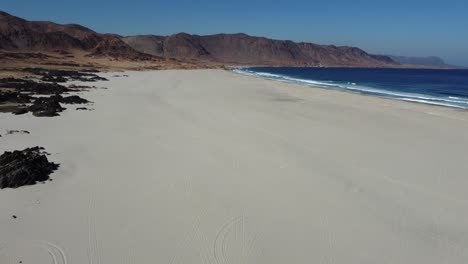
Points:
(65, 75)
(30, 86)
(50, 106)
(16, 95)
(46, 106)
(25, 167)
(43, 106)
(72, 99)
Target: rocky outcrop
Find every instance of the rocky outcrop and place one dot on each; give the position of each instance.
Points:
(50, 75)
(46, 107)
(25, 167)
(17, 95)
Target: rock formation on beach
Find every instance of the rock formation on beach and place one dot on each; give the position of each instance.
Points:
(19, 96)
(25, 167)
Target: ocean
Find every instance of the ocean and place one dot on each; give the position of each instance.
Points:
(437, 87)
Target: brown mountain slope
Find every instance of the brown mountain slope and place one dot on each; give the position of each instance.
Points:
(19, 34)
(242, 49)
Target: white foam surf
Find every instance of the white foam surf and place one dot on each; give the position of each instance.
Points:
(449, 101)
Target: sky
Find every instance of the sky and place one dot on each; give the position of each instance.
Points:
(396, 27)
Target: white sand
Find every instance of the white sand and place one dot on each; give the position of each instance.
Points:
(216, 168)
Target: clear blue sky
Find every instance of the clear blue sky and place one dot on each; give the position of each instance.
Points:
(398, 27)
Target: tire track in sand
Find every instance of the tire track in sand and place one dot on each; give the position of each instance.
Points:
(233, 243)
(9, 253)
(55, 252)
(194, 238)
(2, 249)
(329, 238)
(94, 257)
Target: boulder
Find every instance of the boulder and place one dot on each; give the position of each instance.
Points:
(25, 167)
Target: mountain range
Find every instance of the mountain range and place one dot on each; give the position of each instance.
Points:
(242, 49)
(17, 34)
(20, 35)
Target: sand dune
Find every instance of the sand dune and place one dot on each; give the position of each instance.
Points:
(212, 167)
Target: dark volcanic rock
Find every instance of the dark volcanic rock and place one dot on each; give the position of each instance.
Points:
(10, 132)
(20, 110)
(95, 79)
(47, 88)
(14, 109)
(26, 167)
(14, 101)
(57, 79)
(23, 85)
(49, 75)
(81, 87)
(14, 97)
(15, 83)
(73, 99)
(49, 106)
(84, 108)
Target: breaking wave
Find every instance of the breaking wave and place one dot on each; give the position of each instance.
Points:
(450, 101)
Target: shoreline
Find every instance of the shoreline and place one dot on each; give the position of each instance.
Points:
(364, 91)
(402, 67)
(211, 166)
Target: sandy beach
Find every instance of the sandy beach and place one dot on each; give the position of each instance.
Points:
(208, 166)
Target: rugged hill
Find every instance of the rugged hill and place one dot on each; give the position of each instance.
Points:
(19, 34)
(242, 49)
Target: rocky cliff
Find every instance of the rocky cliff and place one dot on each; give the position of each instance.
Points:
(242, 49)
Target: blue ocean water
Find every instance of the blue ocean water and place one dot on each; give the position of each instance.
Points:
(439, 87)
